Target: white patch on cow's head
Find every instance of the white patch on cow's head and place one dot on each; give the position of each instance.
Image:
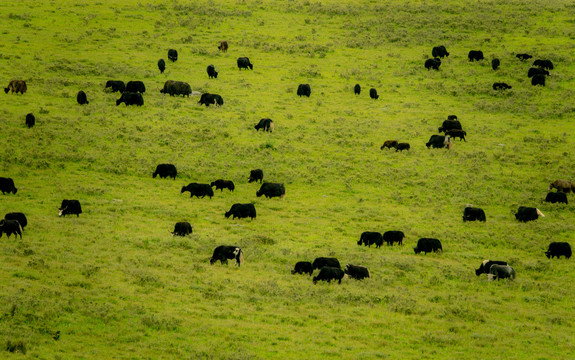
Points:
(539, 213)
(61, 211)
(484, 262)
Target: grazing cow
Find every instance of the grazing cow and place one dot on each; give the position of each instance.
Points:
(456, 134)
(165, 170)
(393, 236)
(265, 124)
(556, 197)
(432, 64)
(500, 86)
(7, 186)
(525, 214)
(538, 80)
(271, 190)
(328, 274)
(373, 94)
(70, 207)
(18, 216)
(546, 64)
(115, 85)
(223, 47)
(173, 55)
(241, 211)
(357, 272)
(182, 228)
(389, 144)
(224, 252)
(497, 272)
(439, 141)
(402, 146)
(161, 65)
(223, 184)
(16, 86)
(207, 99)
(212, 73)
(439, 52)
(495, 64)
(370, 237)
(563, 186)
(486, 266)
(450, 124)
(176, 88)
(30, 120)
(427, 245)
(135, 86)
(320, 262)
(10, 227)
(473, 214)
(81, 98)
(304, 90)
(523, 57)
(244, 63)
(303, 267)
(256, 175)
(198, 190)
(131, 98)
(475, 55)
(357, 89)
(558, 249)
(537, 71)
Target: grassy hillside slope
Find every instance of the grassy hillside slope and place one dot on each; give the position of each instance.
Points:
(118, 286)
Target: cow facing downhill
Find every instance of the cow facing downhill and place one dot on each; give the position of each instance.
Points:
(265, 125)
(270, 190)
(241, 211)
(223, 184)
(7, 186)
(557, 249)
(212, 73)
(303, 267)
(357, 89)
(223, 253)
(373, 94)
(198, 190)
(367, 238)
(10, 227)
(70, 207)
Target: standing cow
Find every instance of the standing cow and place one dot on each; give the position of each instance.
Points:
(475, 55)
(10, 227)
(304, 90)
(439, 52)
(265, 124)
(165, 170)
(30, 120)
(161, 65)
(328, 274)
(357, 272)
(495, 64)
(241, 211)
(207, 99)
(225, 252)
(256, 175)
(115, 86)
(426, 245)
(176, 88)
(373, 94)
(556, 197)
(223, 47)
(18, 216)
(131, 98)
(198, 190)
(173, 55)
(473, 214)
(525, 214)
(497, 272)
(212, 73)
(432, 64)
(182, 228)
(320, 262)
(371, 237)
(357, 89)
(7, 186)
(393, 236)
(16, 86)
(70, 207)
(223, 184)
(81, 98)
(563, 186)
(244, 63)
(271, 190)
(303, 267)
(558, 249)
(486, 266)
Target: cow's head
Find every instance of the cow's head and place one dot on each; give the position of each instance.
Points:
(548, 254)
(417, 251)
(61, 211)
(183, 189)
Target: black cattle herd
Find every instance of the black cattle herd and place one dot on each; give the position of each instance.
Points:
(329, 268)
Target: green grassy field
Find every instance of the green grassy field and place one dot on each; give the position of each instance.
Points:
(117, 285)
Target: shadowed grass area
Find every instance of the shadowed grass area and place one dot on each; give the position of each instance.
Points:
(116, 284)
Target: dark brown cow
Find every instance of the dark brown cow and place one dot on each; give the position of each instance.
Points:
(16, 86)
(223, 46)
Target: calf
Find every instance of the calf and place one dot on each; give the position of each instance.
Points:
(427, 245)
(271, 190)
(70, 207)
(30, 120)
(328, 274)
(391, 237)
(303, 267)
(18, 216)
(81, 98)
(241, 211)
(223, 184)
(320, 262)
(473, 214)
(389, 144)
(256, 175)
(370, 237)
(304, 90)
(198, 190)
(7, 186)
(486, 266)
(525, 214)
(456, 134)
(165, 170)
(182, 228)
(10, 227)
(497, 272)
(558, 249)
(556, 197)
(265, 125)
(224, 252)
(357, 272)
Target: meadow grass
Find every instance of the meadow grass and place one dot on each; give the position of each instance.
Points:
(118, 286)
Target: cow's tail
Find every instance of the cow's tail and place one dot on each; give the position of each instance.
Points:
(240, 257)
